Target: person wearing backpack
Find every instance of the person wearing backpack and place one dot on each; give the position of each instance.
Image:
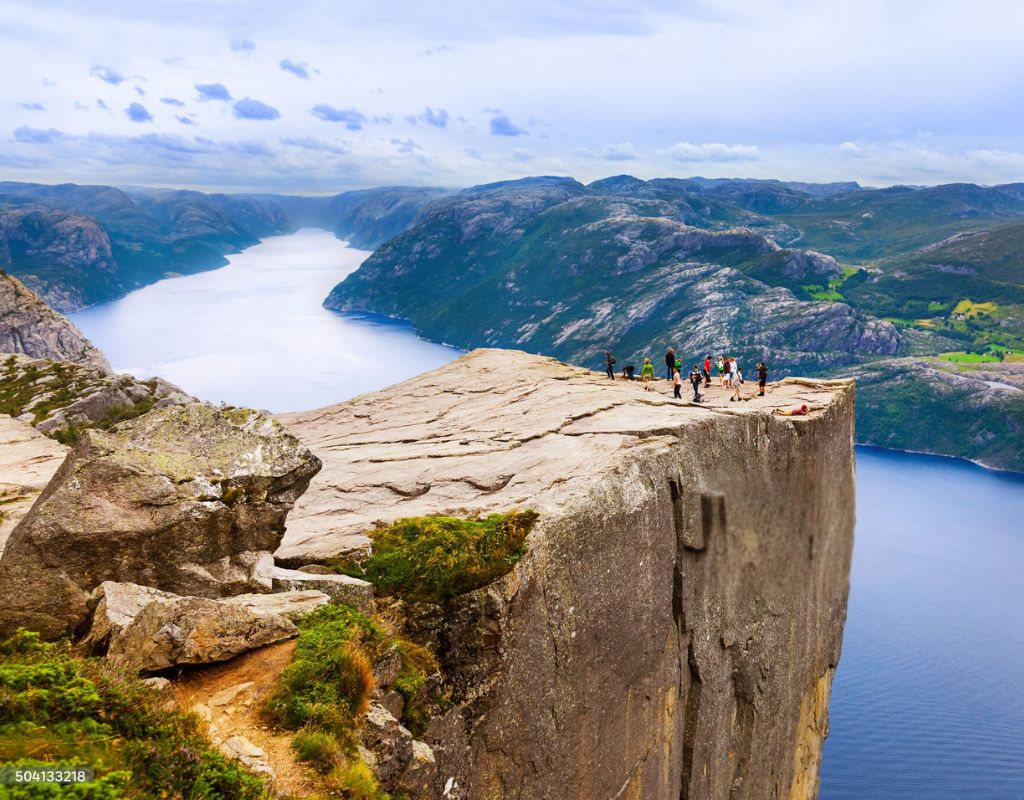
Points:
(696, 378)
(670, 362)
(609, 364)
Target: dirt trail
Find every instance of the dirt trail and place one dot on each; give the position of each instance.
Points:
(221, 693)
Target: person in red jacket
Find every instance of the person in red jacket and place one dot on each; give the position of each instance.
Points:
(707, 371)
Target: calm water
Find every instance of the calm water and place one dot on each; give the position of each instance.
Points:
(927, 703)
(254, 332)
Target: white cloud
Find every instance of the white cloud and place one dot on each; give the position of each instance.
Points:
(623, 151)
(712, 151)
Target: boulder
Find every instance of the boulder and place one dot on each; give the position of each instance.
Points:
(340, 588)
(193, 630)
(189, 499)
(390, 743)
(290, 605)
(420, 775)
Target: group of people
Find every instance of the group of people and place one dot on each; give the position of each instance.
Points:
(730, 375)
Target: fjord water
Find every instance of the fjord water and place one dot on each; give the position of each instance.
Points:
(927, 702)
(254, 332)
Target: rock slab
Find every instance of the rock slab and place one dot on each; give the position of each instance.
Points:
(189, 499)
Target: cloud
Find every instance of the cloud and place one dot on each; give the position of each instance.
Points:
(623, 151)
(439, 118)
(33, 106)
(107, 75)
(247, 108)
(712, 151)
(28, 135)
(172, 101)
(138, 113)
(213, 91)
(523, 154)
(48, 82)
(353, 119)
(430, 51)
(101, 104)
(185, 120)
(242, 45)
(140, 91)
(406, 145)
(851, 149)
(298, 68)
(310, 143)
(501, 125)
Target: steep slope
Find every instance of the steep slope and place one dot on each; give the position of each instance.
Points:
(674, 626)
(560, 269)
(30, 327)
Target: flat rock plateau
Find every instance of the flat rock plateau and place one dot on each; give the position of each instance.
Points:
(675, 625)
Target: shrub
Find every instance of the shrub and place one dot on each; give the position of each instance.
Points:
(357, 781)
(319, 748)
(56, 707)
(432, 558)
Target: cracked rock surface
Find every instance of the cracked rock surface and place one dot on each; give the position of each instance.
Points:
(675, 624)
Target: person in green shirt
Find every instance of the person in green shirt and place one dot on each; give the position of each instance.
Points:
(647, 374)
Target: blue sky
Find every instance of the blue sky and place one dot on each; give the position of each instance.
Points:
(323, 96)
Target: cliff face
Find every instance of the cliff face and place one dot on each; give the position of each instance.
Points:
(30, 327)
(675, 625)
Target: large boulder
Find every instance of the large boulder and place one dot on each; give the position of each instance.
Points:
(190, 499)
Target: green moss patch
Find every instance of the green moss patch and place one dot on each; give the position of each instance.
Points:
(433, 558)
(59, 709)
(325, 691)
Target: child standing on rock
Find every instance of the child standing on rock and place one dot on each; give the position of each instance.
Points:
(647, 374)
(677, 383)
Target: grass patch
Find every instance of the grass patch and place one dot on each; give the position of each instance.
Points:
(57, 708)
(325, 691)
(433, 558)
(970, 309)
(960, 357)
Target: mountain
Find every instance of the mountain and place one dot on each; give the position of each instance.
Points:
(30, 327)
(81, 245)
(555, 267)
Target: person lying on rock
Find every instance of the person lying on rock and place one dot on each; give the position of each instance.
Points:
(799, 411)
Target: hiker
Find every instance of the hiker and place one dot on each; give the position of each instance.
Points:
(629, 372)
(677, 383)
(609, 364)
(721, 371)
(670, 362)
(762, 377)
(647, 374)
(696, 378)
(799, 411)
(737, 381)
(728, 372)
(707, 371)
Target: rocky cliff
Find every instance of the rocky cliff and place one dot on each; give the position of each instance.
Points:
(29, 326)
(674, 627)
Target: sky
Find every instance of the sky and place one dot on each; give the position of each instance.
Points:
(314, 96)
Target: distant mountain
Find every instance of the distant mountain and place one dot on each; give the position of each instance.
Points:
(80, 245)
(931, 276)
(555, 267)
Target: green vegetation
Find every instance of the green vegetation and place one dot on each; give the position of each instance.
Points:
(433, 558)
(57, 708)
(45, 390)
(325, 691)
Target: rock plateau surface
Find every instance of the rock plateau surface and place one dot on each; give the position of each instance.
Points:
(672, 631)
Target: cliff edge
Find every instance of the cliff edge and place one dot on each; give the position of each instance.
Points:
(674, 627)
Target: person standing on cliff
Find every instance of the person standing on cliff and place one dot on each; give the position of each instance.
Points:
(696, 378)
(707, 370)
(677, 383)
(721, 371)
(609, 364)
(762, 378)
(647, 374)
(670, 362)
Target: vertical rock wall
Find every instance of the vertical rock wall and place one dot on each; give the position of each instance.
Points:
(673, 630)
